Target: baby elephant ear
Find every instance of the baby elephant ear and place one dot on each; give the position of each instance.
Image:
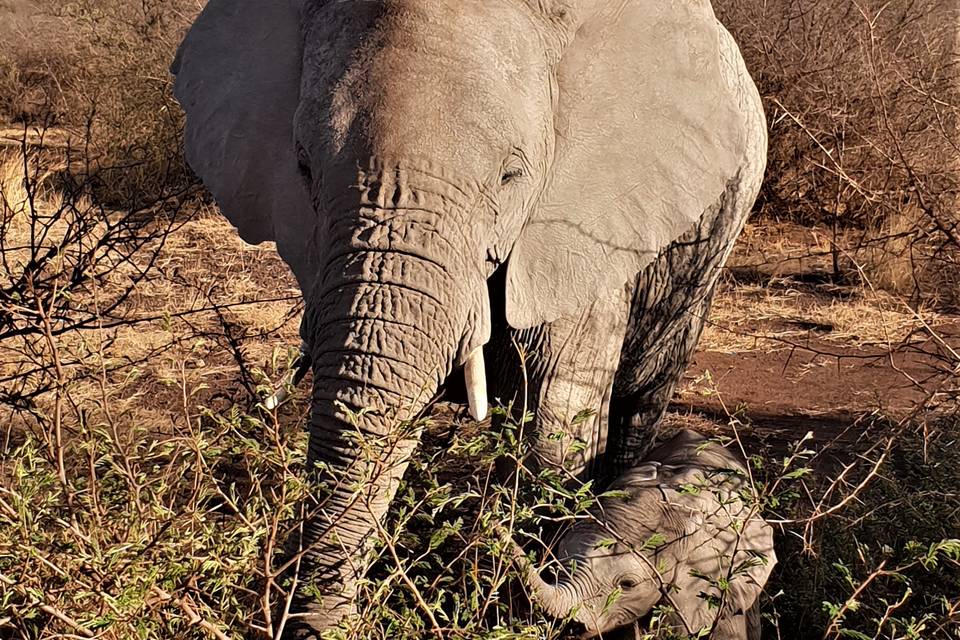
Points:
(648, 134)
(238, 81)
(757, 562)
(738, 547)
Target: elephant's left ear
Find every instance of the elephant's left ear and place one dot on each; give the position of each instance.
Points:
(649, 131)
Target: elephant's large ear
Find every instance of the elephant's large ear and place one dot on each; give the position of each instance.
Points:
(238, 80)
(647, 136)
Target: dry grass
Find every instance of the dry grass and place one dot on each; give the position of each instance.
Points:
(780, 295)
(780, 314)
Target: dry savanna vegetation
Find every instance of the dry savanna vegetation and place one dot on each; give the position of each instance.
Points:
(145, 492)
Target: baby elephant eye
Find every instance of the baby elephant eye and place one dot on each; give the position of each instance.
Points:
(627, 583)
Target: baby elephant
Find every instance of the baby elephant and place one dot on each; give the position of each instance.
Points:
(681, 535)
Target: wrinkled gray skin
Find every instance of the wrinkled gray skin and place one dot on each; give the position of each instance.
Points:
(449, 175)
(689, 493)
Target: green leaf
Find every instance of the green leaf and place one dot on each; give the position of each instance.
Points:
(582, 416)
(618, 494)
(653, 542)
(612, 598)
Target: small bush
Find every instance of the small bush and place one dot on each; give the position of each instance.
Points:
(886, 565)
(862, 104)
(99, 69)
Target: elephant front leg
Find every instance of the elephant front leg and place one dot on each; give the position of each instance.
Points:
(572, 366)
(670, 306)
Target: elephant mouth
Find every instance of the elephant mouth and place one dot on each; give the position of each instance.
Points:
(622, 627)
(626, 631)
(578, 630)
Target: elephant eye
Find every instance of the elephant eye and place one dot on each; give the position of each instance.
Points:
(627, 583)
(303, 164)
(510, 175)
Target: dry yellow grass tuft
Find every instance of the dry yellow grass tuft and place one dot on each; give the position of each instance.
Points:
(35, 216)
(786, 297)
(890, 260)
(783, 313)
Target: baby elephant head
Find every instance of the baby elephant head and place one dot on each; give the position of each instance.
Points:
(678, 531)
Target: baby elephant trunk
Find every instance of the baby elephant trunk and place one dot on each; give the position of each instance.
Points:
(556, 599)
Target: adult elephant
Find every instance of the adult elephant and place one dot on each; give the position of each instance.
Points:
(442, 175)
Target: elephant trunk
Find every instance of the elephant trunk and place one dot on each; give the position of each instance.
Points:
(358, 453)
(556, 599)
(397, 306)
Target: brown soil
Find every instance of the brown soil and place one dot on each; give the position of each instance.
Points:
(820, 379)
(788, 350)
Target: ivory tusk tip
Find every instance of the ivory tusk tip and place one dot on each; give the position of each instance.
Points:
(475, 378)
(478, 413)
(275, 399)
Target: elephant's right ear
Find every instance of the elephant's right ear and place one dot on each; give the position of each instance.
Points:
(238, 81)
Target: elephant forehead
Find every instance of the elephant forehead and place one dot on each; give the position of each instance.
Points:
(467, 72)
(652, 518)
(589, 541)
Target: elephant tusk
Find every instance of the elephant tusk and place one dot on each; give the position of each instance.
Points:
(475, 377)
(280, 394)
(291, 378)
(275, 399)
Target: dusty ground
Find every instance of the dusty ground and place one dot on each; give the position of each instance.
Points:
(790, 352)
(789, 356)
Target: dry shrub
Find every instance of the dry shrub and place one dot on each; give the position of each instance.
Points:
(100, 69)
(37, 216)
(35, 71)
(127, 508)
(875, 553)
(30, 88)
(861, 99)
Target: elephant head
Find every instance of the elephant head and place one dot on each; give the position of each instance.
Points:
(683, 537)
(401, 151)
